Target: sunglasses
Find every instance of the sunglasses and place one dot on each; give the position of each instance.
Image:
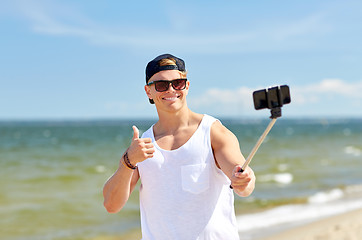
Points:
(163, 85)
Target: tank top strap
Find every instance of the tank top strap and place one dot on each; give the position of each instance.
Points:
(207, 121)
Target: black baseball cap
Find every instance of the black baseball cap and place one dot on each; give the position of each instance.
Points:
(154, 67)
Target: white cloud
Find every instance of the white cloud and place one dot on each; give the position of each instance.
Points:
(313, 24)
(229, 102)
(323, 95)
(55, 19)
(240, 96)
(327, 89)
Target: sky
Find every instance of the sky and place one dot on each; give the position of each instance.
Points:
(86, 59)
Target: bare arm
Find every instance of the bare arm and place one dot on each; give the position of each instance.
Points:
(120, 185)
(228, 156)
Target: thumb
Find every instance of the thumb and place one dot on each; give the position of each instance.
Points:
(136, 132)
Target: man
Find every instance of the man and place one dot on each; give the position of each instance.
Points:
(188, 164)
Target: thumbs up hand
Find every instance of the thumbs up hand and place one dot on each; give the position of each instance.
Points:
(140, 148)
(136, 133)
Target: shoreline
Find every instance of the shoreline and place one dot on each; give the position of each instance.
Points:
(346, 226)
(333, 204)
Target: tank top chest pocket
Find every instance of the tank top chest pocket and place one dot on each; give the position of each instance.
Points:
(195, 178)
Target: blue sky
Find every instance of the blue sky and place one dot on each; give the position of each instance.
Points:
(86, 59)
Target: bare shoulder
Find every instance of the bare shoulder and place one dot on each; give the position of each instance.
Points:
(196, 118)
(220, 135)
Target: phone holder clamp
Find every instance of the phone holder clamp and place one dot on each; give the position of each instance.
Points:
(276, 112)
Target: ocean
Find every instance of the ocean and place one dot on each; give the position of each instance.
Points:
(52, 174)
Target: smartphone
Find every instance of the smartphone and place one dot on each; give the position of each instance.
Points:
(272, 97)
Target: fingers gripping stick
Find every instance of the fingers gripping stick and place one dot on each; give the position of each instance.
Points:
(272, 98)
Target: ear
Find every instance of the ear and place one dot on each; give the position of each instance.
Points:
(187, 88)
(187, 85)
(148, 91)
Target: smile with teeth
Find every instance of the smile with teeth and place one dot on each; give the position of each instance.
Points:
(170, 98)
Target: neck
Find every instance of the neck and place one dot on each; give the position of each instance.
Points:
(172, 121)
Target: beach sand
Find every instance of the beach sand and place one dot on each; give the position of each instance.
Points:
(347, 226)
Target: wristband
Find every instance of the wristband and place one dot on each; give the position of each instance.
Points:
(127, 162)
(124, 164)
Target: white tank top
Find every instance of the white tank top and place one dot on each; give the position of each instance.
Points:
(183, 194)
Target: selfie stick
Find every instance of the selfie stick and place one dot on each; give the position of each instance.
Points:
(257, 145)
(275, 98)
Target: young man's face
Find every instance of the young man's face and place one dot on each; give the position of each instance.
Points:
(170, 97)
